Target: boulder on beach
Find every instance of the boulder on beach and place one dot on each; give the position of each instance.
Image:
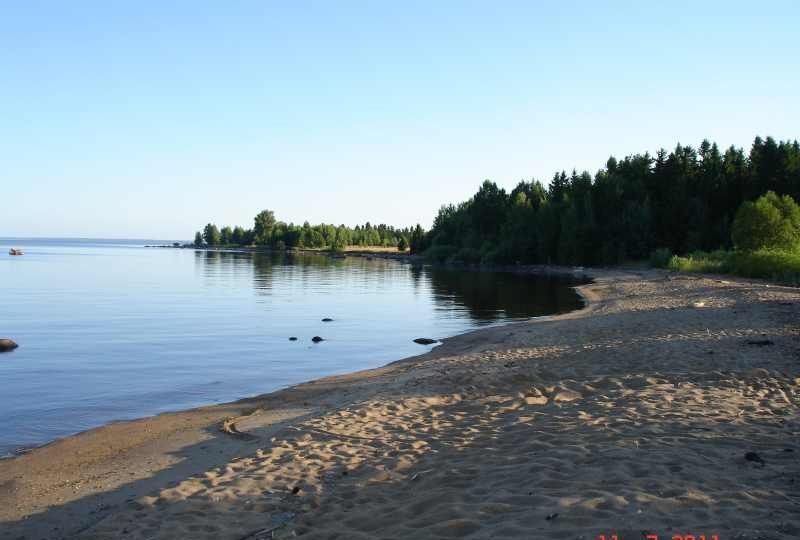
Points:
(424, 341)
(317, 339)
(7, 345)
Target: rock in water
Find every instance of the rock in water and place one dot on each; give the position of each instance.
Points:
(752, 456)
(317, 339)
(424, 341)
(293, 338)
(7, 345)
(327, 319)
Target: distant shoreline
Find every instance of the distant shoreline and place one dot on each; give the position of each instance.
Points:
(386, 253)
(578, 273)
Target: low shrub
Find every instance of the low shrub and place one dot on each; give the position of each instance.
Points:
(783, 266)
(777, 265)
(660, 258)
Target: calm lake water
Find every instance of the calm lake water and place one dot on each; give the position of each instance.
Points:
(111, 330)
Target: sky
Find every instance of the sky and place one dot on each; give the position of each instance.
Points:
(149, 119)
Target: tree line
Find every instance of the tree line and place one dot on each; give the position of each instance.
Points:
(268, 232)
(682, 201)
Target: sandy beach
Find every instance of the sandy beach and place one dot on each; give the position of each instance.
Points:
(669, 405)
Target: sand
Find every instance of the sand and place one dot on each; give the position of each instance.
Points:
(668, 406)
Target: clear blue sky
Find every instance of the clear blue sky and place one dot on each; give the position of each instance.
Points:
(148, 119)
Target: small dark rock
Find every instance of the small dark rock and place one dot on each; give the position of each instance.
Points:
(295, 490)
(327, 319)
(788, 449)
(752, 456)
(292, 338)
(551, 517)
(7, 345)
(317, 339)
(424, 341)
(760, 342)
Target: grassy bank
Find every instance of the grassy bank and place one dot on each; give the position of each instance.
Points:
(777, 265)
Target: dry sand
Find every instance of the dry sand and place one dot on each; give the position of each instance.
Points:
(634, 415)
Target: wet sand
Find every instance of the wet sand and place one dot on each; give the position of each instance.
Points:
(669, 405)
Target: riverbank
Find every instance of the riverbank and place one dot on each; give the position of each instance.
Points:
(669, 404)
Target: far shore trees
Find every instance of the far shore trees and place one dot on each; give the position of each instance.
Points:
(225, 235)
(268, 232)
(211, 235)
(264, 223)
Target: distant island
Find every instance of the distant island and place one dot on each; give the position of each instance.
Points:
(268, 232)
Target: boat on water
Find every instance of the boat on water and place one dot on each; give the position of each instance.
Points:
(13, 251)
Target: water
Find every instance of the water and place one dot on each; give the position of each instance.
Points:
(111, 330)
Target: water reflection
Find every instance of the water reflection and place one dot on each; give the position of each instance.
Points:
(491, 296)
(483, 296)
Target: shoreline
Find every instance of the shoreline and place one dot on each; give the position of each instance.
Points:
(575, 277)
(72, 486)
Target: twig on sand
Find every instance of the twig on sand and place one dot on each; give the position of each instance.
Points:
(229, 426)
(259, 532)
(282, 519)
(417, 475)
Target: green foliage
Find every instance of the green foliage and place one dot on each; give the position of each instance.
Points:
(783, 266)
(402, 245)
(771, 222)
(240, 237)
(681, 201)
(699, 261)
(226, 236)
(778, 265)
(660, 258)
(211, 235)
(264, 222)
(338, 245)
(440, 253)
(417, 242)
(466, 255)
(268, 232)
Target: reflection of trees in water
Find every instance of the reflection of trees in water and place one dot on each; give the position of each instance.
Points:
(292, 268)
(221, 265)
(489, 296)
(265, 268)
(484, 296)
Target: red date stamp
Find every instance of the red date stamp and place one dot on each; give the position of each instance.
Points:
(664, 537)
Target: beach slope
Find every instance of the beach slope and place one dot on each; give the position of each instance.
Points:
(669, 405)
